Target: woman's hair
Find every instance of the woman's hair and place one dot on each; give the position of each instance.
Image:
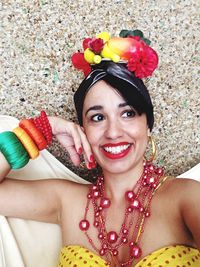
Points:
(131, 88)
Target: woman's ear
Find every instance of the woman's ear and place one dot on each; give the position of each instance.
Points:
(82, 128)
(148, 132)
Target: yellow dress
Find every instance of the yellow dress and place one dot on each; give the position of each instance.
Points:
(171, 256)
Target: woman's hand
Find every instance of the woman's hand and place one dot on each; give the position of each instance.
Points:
(73, 139)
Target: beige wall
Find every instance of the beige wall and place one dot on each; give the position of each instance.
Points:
(37, 39)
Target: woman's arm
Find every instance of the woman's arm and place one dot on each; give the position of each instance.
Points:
(41, 199)
(190, 207)
(36, 200)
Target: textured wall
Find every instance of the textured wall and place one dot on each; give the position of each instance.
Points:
(37, 39)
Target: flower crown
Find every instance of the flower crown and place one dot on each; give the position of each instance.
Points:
(131, 47)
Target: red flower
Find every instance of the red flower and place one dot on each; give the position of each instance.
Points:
(85, 43)
(144, 62)
(96, 45)
(80, 63)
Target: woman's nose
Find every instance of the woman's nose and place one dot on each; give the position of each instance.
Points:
(113, 129)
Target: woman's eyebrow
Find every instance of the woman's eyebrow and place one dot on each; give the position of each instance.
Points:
(123, 105)
(97, 107)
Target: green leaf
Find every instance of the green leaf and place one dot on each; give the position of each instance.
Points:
(125, 33)
(147, 41)
(138, 33)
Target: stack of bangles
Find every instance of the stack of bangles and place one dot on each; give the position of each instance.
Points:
(26, 140)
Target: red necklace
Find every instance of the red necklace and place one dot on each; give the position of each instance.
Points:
(137, 210)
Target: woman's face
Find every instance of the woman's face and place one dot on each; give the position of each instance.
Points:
(117, 134)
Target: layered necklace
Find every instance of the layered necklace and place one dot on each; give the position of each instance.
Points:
(137, 210)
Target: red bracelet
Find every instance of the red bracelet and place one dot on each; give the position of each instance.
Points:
(42, 123)
(37, 136)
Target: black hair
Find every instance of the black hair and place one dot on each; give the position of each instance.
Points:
(131, 88)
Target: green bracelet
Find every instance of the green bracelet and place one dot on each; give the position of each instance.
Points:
(13, 150)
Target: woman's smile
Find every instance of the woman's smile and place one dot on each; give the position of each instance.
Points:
(117, 150)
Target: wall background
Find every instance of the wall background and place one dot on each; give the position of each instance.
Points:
(37, 39)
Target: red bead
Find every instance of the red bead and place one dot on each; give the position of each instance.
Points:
(96, 224)
(130, 196)
(150, 180)
(129, 209)
(115, 252)
(141, 209)
(151, 168)
(96, 194)
(84, 225)
(147, 213)
(105, 202)
(135, 252)
(102, 252)
(97, 214)
(125, 231)
(154, 185)
(100, 236)
(89, 196)
(112, 237)
(124, 240)
(135, 204)
(94, 187)
(160, 171)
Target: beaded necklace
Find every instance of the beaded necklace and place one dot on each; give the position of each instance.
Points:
(138, 201)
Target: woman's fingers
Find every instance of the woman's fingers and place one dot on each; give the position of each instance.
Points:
(74, 140)
(85, 145)
(74, 156)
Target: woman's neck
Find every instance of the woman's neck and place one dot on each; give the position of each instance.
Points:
(116, 184)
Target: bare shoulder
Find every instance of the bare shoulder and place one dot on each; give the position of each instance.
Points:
(184, 194)
(180, 192)
(181, 187)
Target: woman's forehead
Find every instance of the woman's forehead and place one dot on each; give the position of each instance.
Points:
(101, 91)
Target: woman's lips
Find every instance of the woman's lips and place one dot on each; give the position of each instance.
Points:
(116, 151)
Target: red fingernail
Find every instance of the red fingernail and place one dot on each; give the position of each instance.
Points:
(92, 158)
(91, 165)
(80, 150)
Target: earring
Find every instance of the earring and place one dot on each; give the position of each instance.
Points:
(154, 149)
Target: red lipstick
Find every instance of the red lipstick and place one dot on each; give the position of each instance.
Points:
(120, 155)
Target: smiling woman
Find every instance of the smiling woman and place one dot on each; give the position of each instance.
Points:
(114, 128)
(134, 215)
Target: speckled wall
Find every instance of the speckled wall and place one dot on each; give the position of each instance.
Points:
(37, 39)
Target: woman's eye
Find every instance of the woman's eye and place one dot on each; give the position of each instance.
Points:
(97, 117)
(129, 114)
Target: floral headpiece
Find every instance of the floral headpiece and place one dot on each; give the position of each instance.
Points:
(131, 48)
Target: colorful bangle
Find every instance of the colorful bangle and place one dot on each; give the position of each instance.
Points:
(42, 123)
(27, 142)
(13, 150)
(29, 127)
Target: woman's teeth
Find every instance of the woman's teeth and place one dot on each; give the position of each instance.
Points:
(116, 149)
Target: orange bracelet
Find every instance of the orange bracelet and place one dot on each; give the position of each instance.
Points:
(29, 127)
(27, 142)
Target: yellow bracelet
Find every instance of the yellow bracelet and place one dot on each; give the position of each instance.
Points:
(27, 142)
